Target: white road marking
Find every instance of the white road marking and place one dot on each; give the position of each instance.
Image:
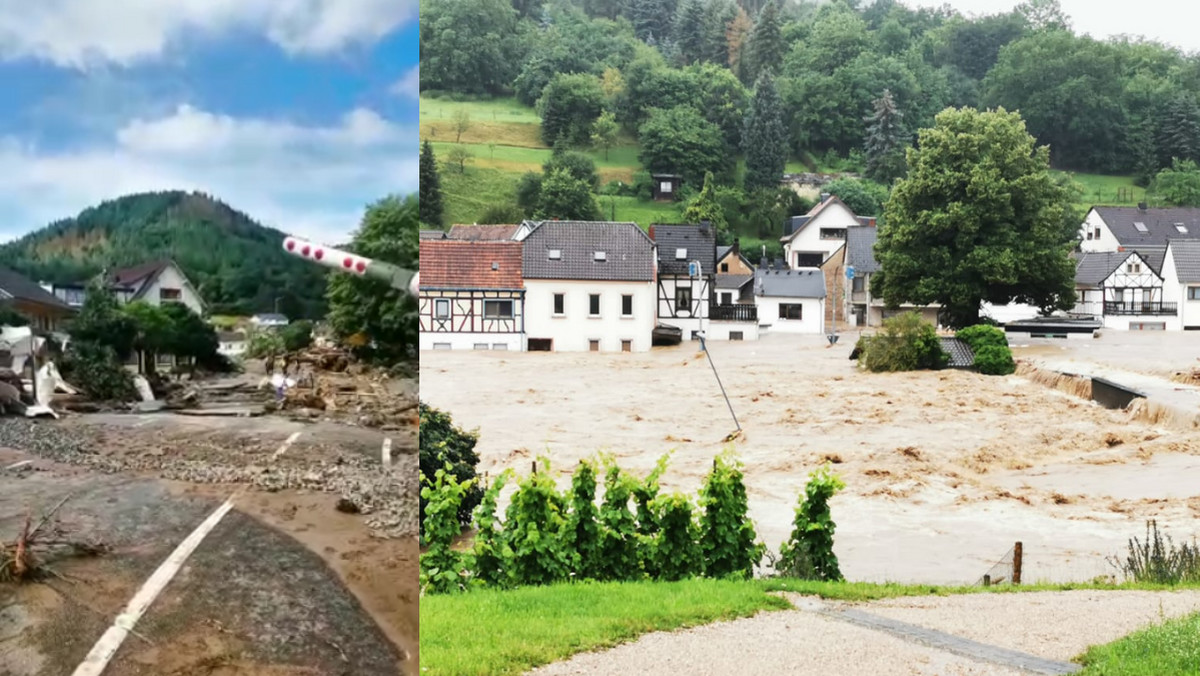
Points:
(96, 661)
(104, 650)
(387, 453)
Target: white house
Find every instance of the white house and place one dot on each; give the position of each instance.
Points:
(684, 300)
(471, 296)
(1124, 291)
(813, 238)
(790, 301)
(156, 283)
(1181, 281)
(231, 343)
(589, 286)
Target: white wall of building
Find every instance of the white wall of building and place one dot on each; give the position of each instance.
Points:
(809, 240)
(1176, 292)
(1107, 241)
(812, 315)
(171, 278)
(666, 305)
(512, 342)
(575, 328)
(723, 330)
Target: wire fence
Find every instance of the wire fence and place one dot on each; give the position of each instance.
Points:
(1005, 571)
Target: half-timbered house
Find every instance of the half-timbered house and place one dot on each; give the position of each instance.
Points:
(1124, 290)
(687, 257)
(472, 295)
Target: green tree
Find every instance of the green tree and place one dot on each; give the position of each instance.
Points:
(766, 43)
(863, 197)
(1043, 15)
(1178, 127)
(737, 40)
(705, 207)
(569, 107)
(442, 442)
(297, 336)
(363, 306)
(604, 132)
(563, 197)
(457, 157)
(1180, 185)
(885, 140)
(101, 322)
(688, 30)
(764, 141)
(579, 165)
(470, 46)
(722, 101)
(681, 141)
(978, 218)
(155, 331)
(718, 14)
(431, 187)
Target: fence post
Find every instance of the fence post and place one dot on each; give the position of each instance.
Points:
(535, 466)
(1017, 552)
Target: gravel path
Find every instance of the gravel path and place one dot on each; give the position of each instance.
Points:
(1051, 625)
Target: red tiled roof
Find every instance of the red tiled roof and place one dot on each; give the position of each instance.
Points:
(459, 264)
(482, 232)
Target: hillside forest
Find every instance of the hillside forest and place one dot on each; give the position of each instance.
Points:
(741, 92)
(238, 265)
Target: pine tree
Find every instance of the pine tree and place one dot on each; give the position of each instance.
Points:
(764, 139)
(766, 43)
(885, 141)
(715, 45)
(431, 189)
(688, 31)
(1178, 130)
(737, 36)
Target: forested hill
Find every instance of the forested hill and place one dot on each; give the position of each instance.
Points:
(238, 265)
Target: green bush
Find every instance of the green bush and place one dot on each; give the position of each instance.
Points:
(808, 553)
(534, 528)
(674, 551)
(442, 442)
(995, 360)
(727, 534)
(491, 549)
(583, 526)
(441, 568)
(982, 334)
(907, 343)
(97, 371)
(618, 528)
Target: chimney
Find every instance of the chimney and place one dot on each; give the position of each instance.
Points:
(1142, 206)
(736, 248)
(824, 196)
(651, 232)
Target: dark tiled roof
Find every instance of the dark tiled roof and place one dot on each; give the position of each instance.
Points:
(1091, 269)
(464, 264)
(1187, 260)
(433, 234)
(20, 287)
(722, 250)
(789, 283)
(1153, 255)
(628, 252)
(961, 355)
(1159, 223)
(797, 223)
(697, 241)
(482, 232)
(860, 249)
(137, 274)
(733, 281)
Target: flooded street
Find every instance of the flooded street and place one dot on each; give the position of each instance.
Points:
(944, 470)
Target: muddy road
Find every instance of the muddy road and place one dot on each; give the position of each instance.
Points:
(312, 571)
(945, 470)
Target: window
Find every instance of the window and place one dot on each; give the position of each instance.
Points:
(594, 305)
(1148, 326)
(169, 294)
(500, 346)
(735, 335)
(627, 346)
(593, 345)
(481, 346)
(1140, 227)
(441, 308)
(1181, 228)
(1133, 268)
(441, 346)
(809, 260)
(683, 299)
(726, 298)
(600, 256)
(664, 186)
(680, 254)
(724, 267)
(626, 306)
(791, 311)
(1096, 233)
(560, 304)
(554, 254)
(833, 233)
(1193, 293)
(497, 309)
(540, 345)
(858, 284)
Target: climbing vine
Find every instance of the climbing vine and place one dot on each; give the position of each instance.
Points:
(808, 553)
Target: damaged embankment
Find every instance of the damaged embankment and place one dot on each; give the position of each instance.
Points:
(1112, 395)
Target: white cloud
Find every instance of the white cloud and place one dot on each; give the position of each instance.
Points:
(81, 33)
(312, 181)
(409, 84)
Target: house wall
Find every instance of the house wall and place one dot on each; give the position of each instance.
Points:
(232, 349)
(572, 331)
(41, 317)
(512, 342)
(812, 321)
(466, 328)
(1107, 241)
(876, 314)
(688, 321)
(1128, 322)
(1176, 292)
(722, 330)
(809, 240)
(835, 282)
(172, 278)
(736, 265)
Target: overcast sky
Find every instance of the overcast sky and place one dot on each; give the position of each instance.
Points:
(1170, 21)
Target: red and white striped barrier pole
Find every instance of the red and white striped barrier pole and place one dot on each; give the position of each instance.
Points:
(405, 280)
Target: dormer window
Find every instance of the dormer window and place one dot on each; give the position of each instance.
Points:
(554, 254)
(1181, 228)
(1140, 227)
(680, 254)
(599, 256)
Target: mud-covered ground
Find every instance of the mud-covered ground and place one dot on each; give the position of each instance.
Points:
(314, 571)
(945, 470)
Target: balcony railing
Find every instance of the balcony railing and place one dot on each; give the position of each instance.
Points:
(733, 313)
(1140, 308)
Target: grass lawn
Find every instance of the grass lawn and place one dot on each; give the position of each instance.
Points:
(1172, 647)
(1108, 190)
(507, 110)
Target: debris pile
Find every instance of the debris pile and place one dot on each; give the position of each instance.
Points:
(29, 554)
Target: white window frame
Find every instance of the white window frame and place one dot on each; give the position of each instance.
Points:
(439, 303)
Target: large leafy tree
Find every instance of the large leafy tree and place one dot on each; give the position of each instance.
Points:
(978, 218)
(470, 46)
(562, 196)
(386, 318)
(722, 101)
(764, 140)
(569, 107)
(431, 187)
(706, 207)
(1180, 185)
(681, 141)
(886, 140)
